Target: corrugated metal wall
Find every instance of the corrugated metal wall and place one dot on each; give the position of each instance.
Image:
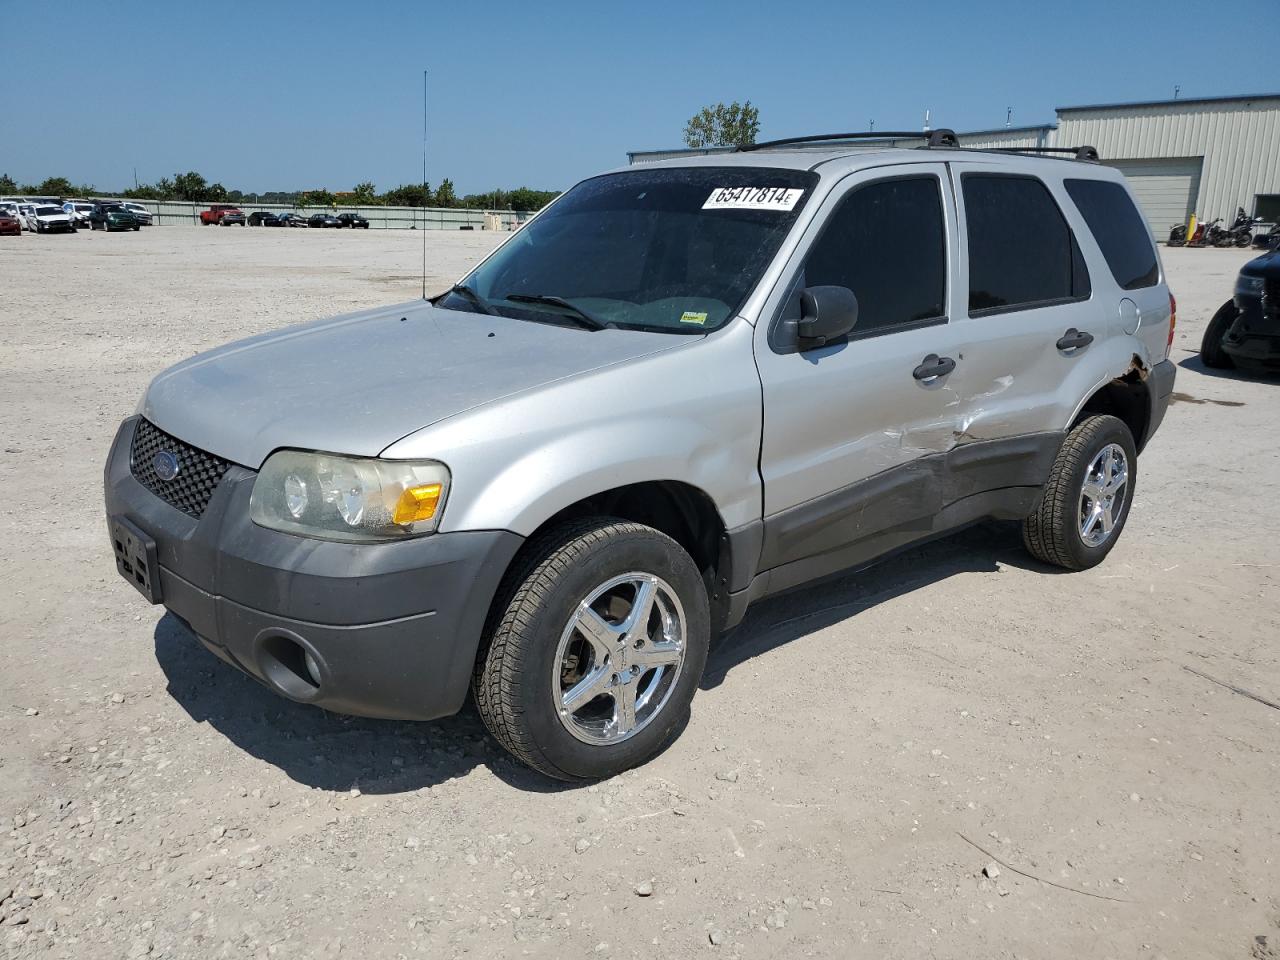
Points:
(1014, 137)
(1238, 139)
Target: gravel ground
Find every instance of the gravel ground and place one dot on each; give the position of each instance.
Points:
(860, 752)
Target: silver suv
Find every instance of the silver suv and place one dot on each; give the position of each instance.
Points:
(679, 389)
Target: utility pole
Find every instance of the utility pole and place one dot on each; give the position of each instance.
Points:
(1008, 117)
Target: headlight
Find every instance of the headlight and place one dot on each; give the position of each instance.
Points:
(348, 498)
(1249, 286)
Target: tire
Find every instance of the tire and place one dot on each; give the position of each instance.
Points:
(136, 228)
(1244, 239)
(1053, 533)
(523, 668)
(1211, 353)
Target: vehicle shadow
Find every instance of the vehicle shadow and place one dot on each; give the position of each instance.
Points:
(790, 616)
(332, 752)
(326, 750)
(1250, 374)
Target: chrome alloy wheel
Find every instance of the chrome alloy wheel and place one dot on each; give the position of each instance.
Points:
(1102, 497)
(619, 658)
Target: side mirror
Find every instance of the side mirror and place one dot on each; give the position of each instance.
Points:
(826, 314)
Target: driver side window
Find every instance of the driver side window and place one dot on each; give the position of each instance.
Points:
(887, 243)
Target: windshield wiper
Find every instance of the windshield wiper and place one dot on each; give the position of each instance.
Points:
(584, 318)
(464, 291)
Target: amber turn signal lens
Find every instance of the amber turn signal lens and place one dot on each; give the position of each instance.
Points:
(417, 503)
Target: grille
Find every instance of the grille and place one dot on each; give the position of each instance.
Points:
(199, 473)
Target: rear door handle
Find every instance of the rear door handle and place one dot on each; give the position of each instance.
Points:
(1073, 339)
(932, 367)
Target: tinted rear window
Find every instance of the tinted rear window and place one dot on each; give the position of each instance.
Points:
(1022, 253)
(1119, 230)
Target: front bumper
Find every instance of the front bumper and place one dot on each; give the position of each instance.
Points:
(392, 629)
(1254, 339)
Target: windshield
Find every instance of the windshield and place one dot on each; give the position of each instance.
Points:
(48, 211)
(676, 250)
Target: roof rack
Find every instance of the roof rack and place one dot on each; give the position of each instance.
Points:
(941, 137)
(1084, 152)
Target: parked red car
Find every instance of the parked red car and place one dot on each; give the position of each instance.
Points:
(10, 224)
(223, 213)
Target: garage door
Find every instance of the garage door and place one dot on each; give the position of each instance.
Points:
(1166, 189)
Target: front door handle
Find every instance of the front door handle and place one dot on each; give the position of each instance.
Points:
(1073, 339)
(932, 367)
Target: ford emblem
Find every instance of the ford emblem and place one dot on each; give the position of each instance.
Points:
(165, 464)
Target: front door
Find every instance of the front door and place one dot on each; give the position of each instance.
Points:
(849, 426)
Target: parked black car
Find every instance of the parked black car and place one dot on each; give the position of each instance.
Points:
(264, 218)
(292, 220)
(323, 220)
(1245, 332)
(352, 220)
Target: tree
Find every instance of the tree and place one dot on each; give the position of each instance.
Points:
(364, 194)
(190, 186)
(721, 126)
(317, 198)
(7, 184)
(57, 187)
(525, 199)
(445, 197)
(409, 195)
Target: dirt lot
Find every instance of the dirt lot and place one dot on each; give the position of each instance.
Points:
(855, 749)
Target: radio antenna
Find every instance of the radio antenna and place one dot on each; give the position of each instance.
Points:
(424, 184)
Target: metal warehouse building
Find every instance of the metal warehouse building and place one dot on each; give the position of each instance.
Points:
(1204, 156)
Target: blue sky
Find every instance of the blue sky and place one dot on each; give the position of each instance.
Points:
(297, 95)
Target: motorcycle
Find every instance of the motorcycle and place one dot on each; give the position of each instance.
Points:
(1240, 233)
(1178, 235)
(1268, 240)
(1208, 234)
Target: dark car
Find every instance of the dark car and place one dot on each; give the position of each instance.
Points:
(352, 220)
(323, 220)
(264, 218)
(292, 220)
(10, 224)
(1245, 332)
(112, 216)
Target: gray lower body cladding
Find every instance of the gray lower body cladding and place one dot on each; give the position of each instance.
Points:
(392, 628)
(918, 501)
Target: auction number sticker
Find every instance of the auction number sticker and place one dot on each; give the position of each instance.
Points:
(753, 198)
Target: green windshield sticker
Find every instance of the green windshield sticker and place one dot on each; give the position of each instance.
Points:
(690, 317)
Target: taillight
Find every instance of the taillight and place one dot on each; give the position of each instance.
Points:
(1173, 322)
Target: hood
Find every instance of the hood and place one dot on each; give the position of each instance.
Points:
(356, 384)
(1265, 265)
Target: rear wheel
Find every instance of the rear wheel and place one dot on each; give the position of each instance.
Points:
(1211, 352)
(1087, 497)
(595, 647)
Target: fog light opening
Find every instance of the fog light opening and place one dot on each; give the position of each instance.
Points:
(291, 667)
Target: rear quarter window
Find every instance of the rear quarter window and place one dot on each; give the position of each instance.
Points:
(1117, 226)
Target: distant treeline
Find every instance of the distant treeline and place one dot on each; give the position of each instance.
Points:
(193, 188)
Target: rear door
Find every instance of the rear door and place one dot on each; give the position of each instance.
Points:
(1029, 321)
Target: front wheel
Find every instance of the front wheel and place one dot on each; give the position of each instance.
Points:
(594, 650)
(1211, 353)
(1087, 497)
